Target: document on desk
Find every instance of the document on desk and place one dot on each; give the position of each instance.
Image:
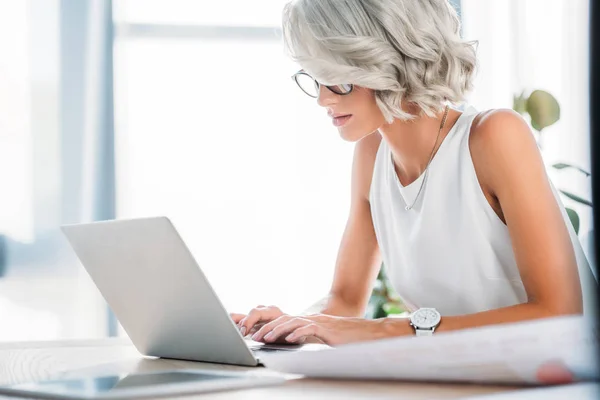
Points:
(506, 353)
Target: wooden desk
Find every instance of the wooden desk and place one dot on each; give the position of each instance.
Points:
(21, 362)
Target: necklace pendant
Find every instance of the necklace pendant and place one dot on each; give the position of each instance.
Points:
(407, 208)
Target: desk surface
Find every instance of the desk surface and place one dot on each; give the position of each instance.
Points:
(20, 362)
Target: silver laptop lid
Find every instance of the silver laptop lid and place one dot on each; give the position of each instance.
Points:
(156, 289)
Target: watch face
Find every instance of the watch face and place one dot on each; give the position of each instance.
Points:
(425, 318)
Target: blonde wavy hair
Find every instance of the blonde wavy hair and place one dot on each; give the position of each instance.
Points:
(407, 50)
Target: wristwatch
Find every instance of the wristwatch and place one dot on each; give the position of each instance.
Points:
(425, 320)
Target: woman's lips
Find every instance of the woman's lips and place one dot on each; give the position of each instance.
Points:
(341, 120)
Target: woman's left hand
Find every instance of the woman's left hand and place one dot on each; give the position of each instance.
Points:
(329, 329)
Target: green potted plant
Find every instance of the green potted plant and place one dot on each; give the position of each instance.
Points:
(542, 107)
(573, 216)
(384, 301)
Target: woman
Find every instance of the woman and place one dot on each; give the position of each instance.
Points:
(457, 205)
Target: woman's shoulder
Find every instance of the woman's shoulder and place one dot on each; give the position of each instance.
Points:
(498, 124)
(499, 131)
(500, 139)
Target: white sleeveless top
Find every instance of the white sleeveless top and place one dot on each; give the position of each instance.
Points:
(450, 251)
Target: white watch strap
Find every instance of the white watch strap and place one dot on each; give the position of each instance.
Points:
(424, 332)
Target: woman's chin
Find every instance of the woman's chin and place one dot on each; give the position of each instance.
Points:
(352, 136)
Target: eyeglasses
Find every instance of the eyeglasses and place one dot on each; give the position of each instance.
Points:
(310, 86)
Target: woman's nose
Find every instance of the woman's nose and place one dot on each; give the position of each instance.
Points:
(326, 97)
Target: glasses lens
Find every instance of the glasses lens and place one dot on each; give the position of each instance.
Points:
(307, 84)
(343, 88)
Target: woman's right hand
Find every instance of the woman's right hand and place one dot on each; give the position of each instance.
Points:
(256, 318)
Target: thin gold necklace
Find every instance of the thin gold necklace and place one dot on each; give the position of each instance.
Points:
(409, 207)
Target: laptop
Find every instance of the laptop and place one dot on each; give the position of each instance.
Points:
(159, 294)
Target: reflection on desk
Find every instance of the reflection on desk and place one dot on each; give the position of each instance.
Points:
(24, 362)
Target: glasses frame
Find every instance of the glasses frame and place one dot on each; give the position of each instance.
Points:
(318, 85)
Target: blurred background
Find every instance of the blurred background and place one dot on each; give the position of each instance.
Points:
(185, 108)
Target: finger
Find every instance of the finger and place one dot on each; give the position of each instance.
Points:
(252, 331)
(256, 328)
(236, 317)
(254, 315)
(280, 331)
(257, 315)
(314, 330)
(268, 327)
(554, 373)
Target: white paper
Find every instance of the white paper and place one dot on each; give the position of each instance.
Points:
(507, 353)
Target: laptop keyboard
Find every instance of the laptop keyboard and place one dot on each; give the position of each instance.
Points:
(266, 350)
(269, 349)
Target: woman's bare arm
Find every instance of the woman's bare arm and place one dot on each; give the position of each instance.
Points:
(358, 259)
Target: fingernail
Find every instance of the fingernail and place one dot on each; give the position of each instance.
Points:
(290, 337)
(243, 331)
(268, 335)
(255, 336)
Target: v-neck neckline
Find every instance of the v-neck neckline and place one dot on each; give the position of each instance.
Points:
(435, 156)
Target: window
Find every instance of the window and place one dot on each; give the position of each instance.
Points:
(44, 292)
(212, 132)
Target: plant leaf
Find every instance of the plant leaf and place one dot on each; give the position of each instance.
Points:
(574, 217)
(520, 103)
(393, 308)
(375, 307)
(565, 165)
(576, 198)
(379, 311)
(543, 109)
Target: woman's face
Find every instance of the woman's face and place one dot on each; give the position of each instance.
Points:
(355, 115)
